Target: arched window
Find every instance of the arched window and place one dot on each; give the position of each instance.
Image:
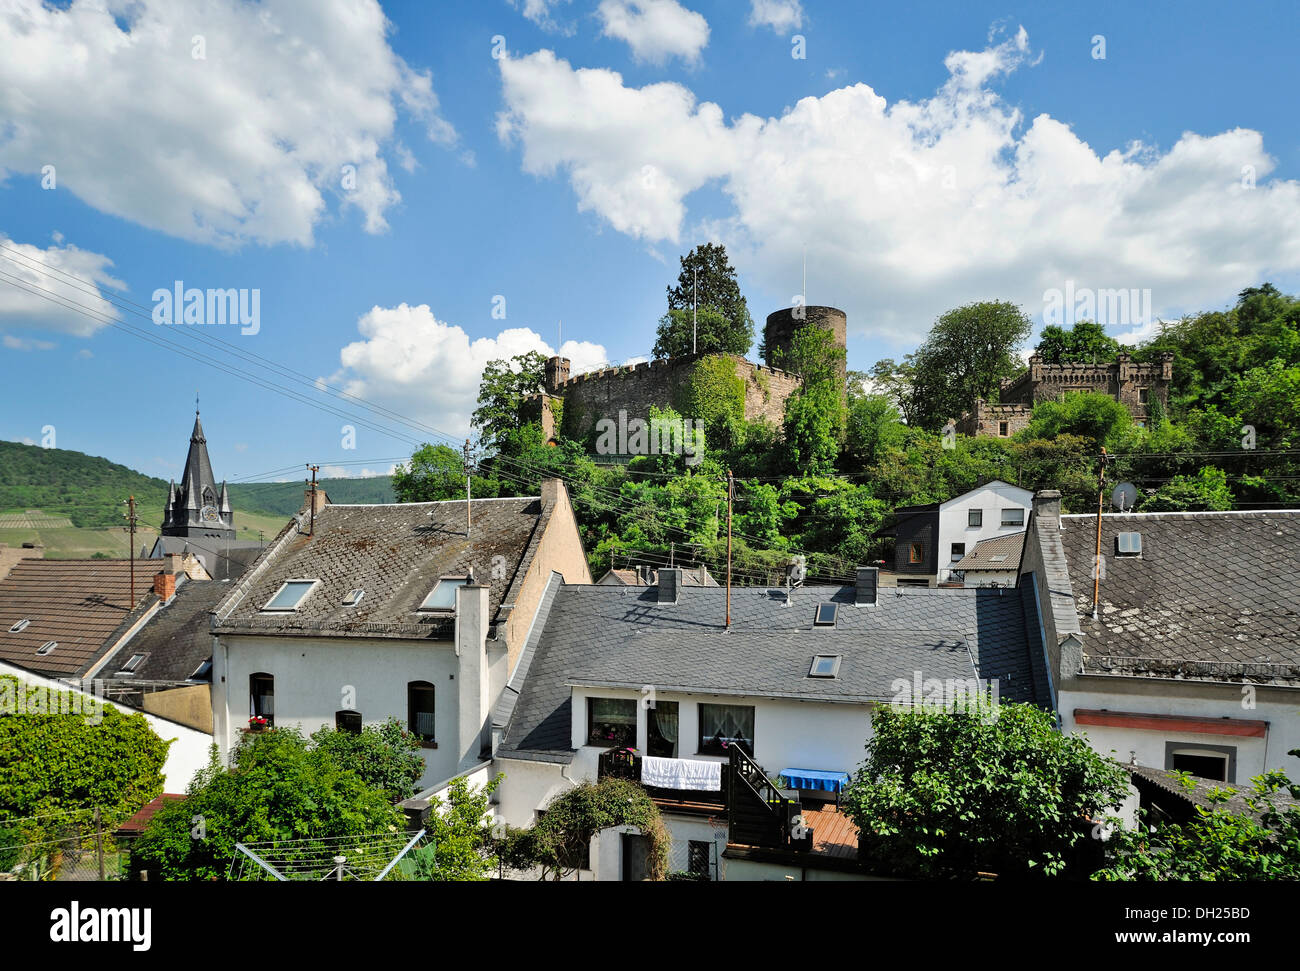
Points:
(348, 721)
(261, 700)
(419, 709)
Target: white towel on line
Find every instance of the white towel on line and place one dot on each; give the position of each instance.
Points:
(691, 774)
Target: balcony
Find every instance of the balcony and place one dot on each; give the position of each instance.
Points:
(622, 763)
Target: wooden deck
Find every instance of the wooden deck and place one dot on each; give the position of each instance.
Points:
(833, 832)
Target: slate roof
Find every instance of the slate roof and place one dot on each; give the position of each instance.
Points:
(177, 639)
(396, 553)
(695, 576)
(1168, 783)
(79, 604)
(223, 559)
(1214, 595)
(996, 553)
(622, 636)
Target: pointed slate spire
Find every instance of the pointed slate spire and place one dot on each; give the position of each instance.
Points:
(225, 500)
(198, 488)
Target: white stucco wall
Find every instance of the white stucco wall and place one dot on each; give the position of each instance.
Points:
(313, 678)
(992, 498)
(189, 749)
(1279, 707)
(787, 734)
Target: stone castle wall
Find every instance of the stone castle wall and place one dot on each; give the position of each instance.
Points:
(589, 397)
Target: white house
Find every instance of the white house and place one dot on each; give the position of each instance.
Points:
(931, 539)
(412, 610)
(1189, 658)
(712, 714)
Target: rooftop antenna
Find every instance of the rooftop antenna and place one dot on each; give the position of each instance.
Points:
(468, 504)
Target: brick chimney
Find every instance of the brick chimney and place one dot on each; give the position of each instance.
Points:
(322, 500)
(164, 585)
(173, 563)
(1047, 507)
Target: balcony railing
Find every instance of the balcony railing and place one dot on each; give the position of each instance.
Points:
(758, 813)
(622, 763)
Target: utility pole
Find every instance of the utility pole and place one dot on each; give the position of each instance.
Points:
(311, 531)
(731, 489)
(131, 520)
(695, 308)
(671, 547)
(99, 843)
(1096, 562)
(468, 497)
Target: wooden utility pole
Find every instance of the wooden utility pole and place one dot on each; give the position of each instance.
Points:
(731, 489)
(1096, 562)
(131, 519)
(468, 494)
(99, 843)
(311, 530)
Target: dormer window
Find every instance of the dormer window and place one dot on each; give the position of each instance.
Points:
(21, 625)
(290, 596)
(443, 594)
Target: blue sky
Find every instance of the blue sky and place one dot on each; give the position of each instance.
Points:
(569, 175)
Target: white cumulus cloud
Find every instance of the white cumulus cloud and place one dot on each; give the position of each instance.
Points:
(656, 30)
(782, 16)
(429, 370)
(908, 209)
(542, 13)
(59, 288)
(216, 121)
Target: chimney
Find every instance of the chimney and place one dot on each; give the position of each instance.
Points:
(868, 584)
(164, 585)
(173, 563)
(553, 491)
(670, 581)
(1047, 505)
(322, 500)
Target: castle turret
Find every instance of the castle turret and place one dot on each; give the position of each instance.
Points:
(556, 373)
(779, 331)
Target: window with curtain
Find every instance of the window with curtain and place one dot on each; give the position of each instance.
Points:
(661, 730)
(419, 709)
(722, 726)
(611, 722)
(261, 695)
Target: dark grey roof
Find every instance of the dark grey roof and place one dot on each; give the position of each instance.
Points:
(693, 576)
(176, 639)
(996, 553)
(1168, 782)
(396, 553)
(622, 636)
(224, 559)
(1213, 594)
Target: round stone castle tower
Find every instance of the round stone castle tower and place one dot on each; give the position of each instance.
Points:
(782, 325)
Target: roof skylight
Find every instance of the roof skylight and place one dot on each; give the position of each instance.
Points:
(825, 666)
(47, 647)
(826, 614)
(443, 594)
(290, 595)
(21, 625)
(354, 597)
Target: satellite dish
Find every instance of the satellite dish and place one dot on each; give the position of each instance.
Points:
(1124, 496)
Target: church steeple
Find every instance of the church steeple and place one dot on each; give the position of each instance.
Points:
(197, 509)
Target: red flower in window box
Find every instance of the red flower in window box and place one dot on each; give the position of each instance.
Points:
(257, 723)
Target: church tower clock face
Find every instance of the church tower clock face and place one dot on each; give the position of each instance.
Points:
(210, 514)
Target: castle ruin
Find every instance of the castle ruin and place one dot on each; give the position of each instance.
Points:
(1132, 385)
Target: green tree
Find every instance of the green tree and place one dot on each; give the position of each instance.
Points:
(385, 756)
(277, 788)
(459, 834)
(1091, 415)
(501, 394)
(951, 793)
(434, 473)
(1262, 843)
(966, 355)
(85, 758)
(1086, 341)
(708, 332)
(1207, 489)
(707, 267)
(559, 842)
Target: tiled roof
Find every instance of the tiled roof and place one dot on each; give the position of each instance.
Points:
(396, 553)
(1198, 795)
(622, 636)
(223, 559)
(140, 821)
(997, 553)
(1213, 595)
(79, 604)
(178, 638)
